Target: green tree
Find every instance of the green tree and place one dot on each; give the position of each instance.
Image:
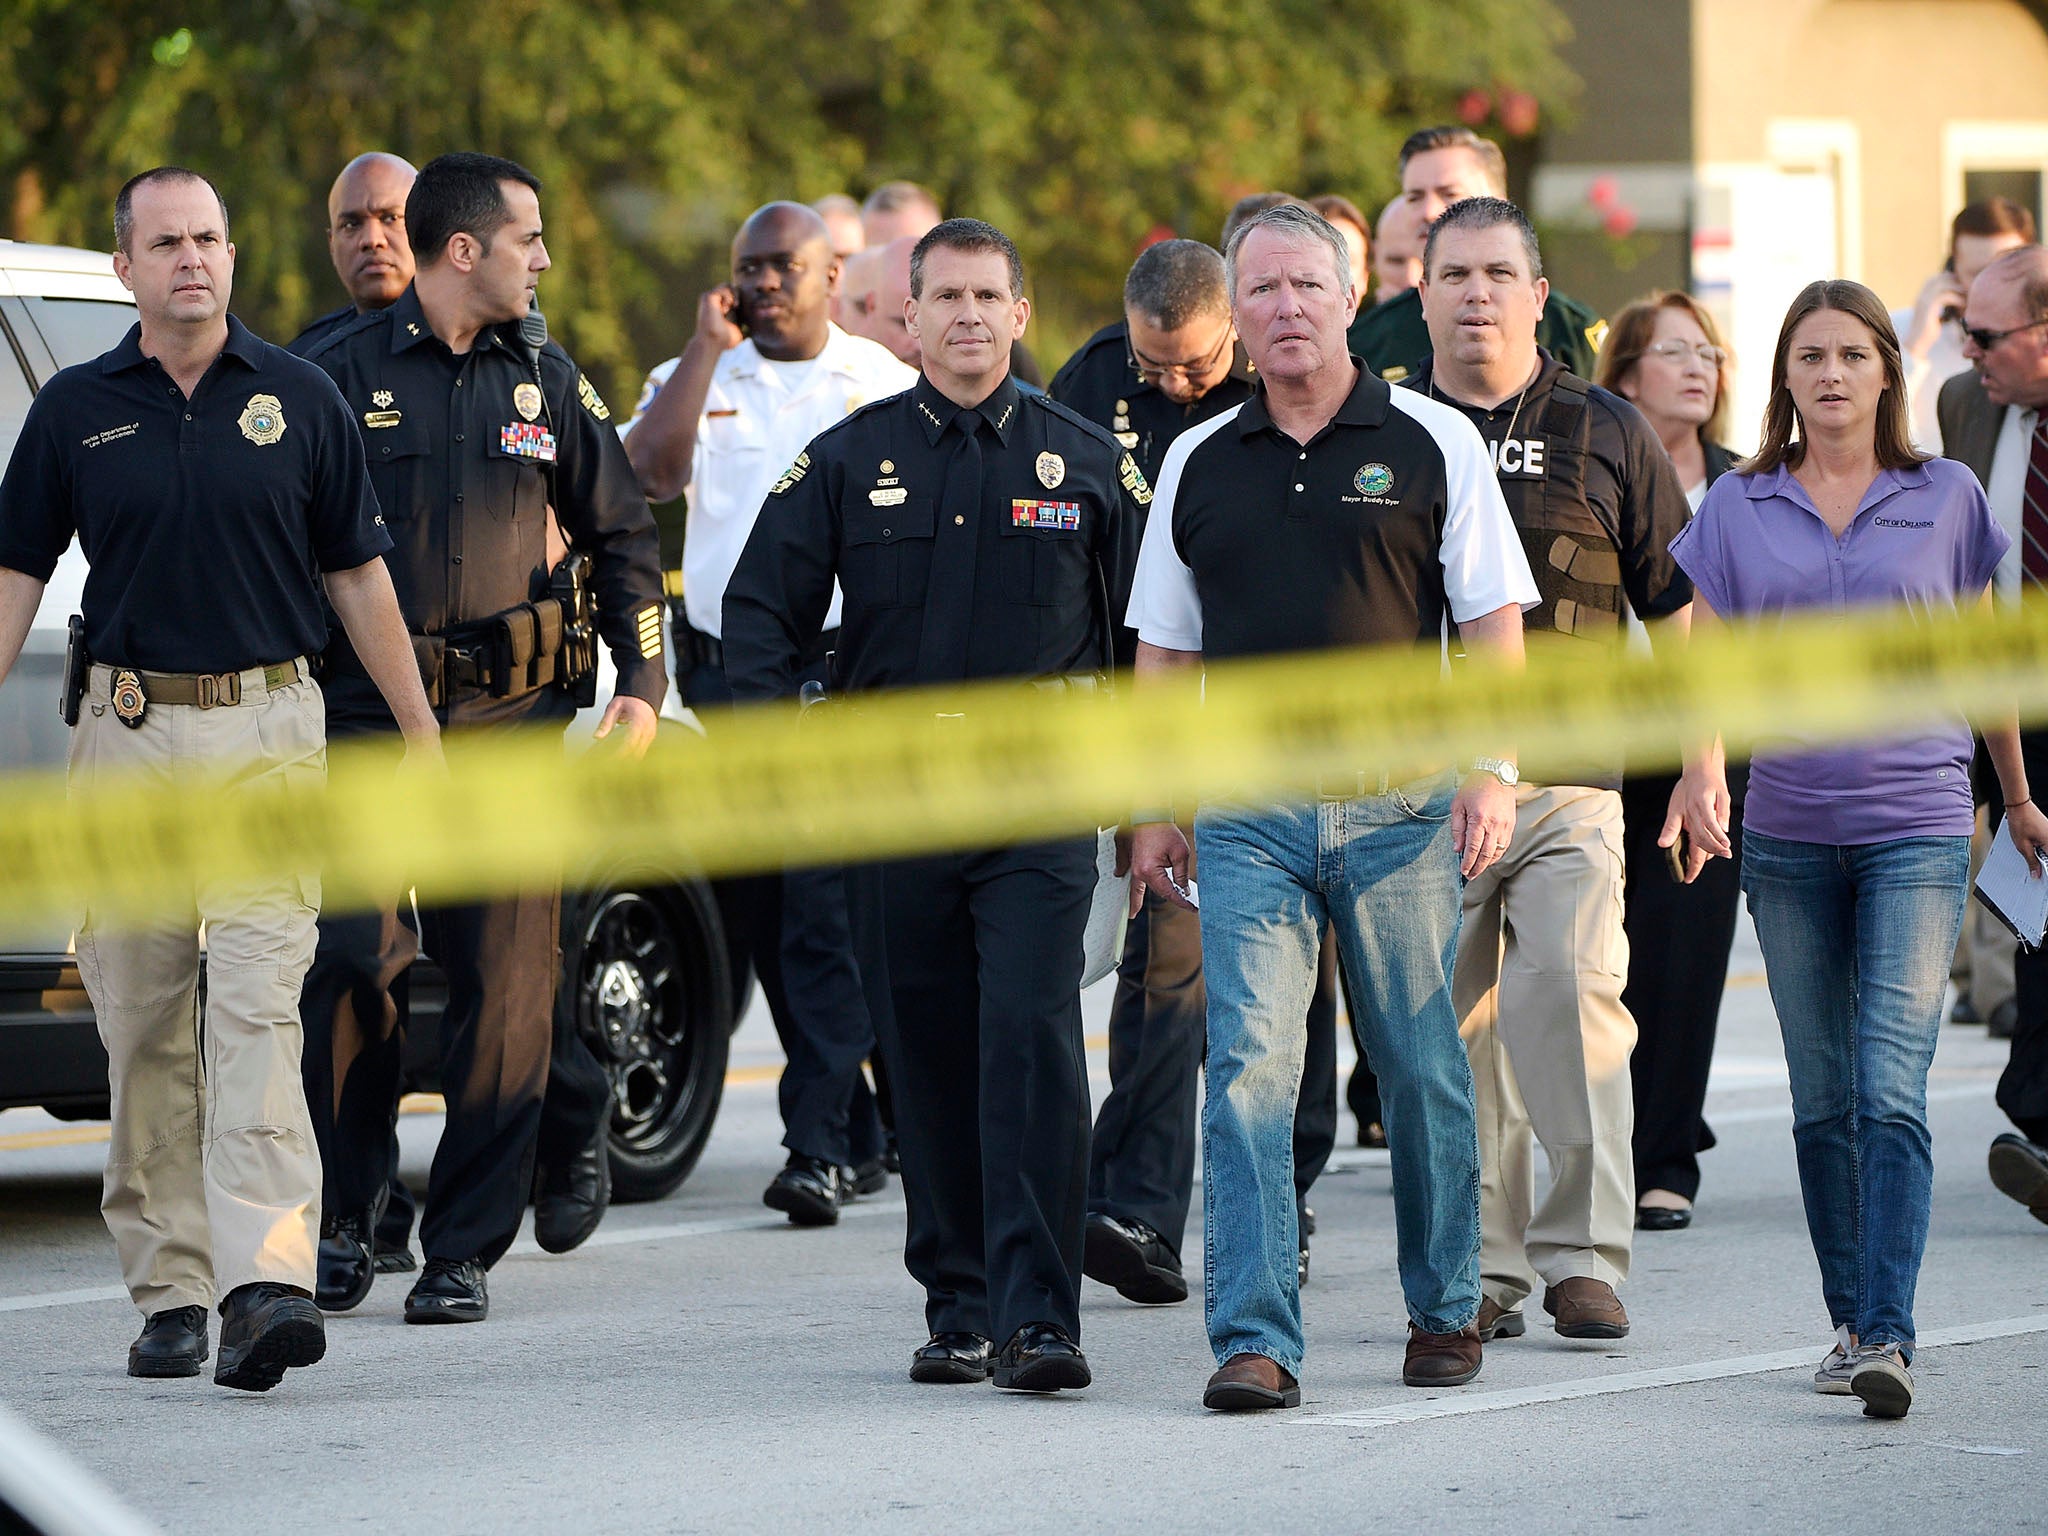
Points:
(1077, 126)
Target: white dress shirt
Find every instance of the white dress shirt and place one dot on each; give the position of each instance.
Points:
(2007, 488)
(758, 416)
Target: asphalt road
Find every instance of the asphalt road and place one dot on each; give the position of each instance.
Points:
(702, 1367)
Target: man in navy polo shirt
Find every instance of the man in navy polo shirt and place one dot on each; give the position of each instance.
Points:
(215, 482)
(1329, 510)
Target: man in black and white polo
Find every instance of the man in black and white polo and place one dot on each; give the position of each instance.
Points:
(1329, 510)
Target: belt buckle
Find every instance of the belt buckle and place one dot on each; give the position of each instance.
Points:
(1353, 786)
(945, 717)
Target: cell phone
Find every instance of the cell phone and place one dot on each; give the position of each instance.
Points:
(738, 313)
(1676, 855)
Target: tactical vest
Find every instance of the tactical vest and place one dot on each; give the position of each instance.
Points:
(1573, 554)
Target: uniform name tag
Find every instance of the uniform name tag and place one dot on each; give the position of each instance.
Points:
(1062, 515)
(375, 419)
(528, 440)
(889, 496)
(1519, 458)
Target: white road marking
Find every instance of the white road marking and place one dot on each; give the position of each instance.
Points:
(608, 1237)
(1637, 1381)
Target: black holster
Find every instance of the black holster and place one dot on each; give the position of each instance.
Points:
(77, 669)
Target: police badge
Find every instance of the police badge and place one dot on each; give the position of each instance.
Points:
(526, 400)
(124, 690)
(1052, 469)
(263, 420)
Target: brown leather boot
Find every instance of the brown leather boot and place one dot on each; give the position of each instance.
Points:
(1586, 1308)
(1248, 1382)
(1442, 1359)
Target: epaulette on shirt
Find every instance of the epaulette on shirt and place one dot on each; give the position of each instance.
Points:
(341, 333)
(1067, 414)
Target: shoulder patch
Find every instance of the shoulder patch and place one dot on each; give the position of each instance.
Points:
(586, 392)
(1133, 479)
(1596, 333)
(791, 475)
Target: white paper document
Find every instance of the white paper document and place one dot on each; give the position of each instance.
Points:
(2008, 886)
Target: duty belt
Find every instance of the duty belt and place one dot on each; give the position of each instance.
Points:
(207, 690)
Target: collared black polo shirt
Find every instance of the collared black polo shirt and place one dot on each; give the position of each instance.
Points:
(1099, 382)
(1022, 568)
(1617, 492)
(206, 521)
(466, 452)
(1387, 520)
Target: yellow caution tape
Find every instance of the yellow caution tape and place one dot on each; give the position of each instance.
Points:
(1004, 762)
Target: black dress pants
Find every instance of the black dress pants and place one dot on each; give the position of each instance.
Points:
(1141, 1165)
(990, 1080)
(795, 929)
(502, 961)
(2023, 1086)
(1679, 938)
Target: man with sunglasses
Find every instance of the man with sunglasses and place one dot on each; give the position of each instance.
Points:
(1994, 419)
(1172, 363)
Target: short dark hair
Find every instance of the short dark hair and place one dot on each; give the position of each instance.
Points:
(1250, 206)
(124, 201)
(1450, 136)
(461, 193)
(1335, 205)
(1484, 213)
(1993, 216)
(1176, 281)
(969, 235)
(891, 195)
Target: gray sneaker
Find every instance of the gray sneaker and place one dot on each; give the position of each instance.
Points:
(1833, 1376)
(1883, 1381)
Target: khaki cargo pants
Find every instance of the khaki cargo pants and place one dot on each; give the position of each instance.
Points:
(213, 1177)
(1542, 960)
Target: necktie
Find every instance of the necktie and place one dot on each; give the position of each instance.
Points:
(2034, 510)
(949, 599)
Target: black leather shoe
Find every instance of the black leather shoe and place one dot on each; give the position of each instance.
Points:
(1041, 1357)
(2019, 1169)
(951, 1357)
(172, 1343)
(449, 1291)
(345, 1269)
(869, 1178)
(1305, 1218)
(1301, 1266)
(892, 1160)
(394, 1260)
(809, 1190)
(1133, 1258)
(1661, 1218)
(570, 1200)
(266, 1329)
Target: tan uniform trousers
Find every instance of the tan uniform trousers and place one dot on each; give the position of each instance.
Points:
(213, 1176)
(1541, 964)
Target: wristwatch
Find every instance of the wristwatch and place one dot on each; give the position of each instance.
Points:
(1500, 768)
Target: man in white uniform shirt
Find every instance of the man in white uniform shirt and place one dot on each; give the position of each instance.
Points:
(765, 373)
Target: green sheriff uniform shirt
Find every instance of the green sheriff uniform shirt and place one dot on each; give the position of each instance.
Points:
(1391, 338)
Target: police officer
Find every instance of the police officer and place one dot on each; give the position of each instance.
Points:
(766, 372)
(1439, 166)
(979, 534)
(349, 990)
(365, 240)
(1170, 364)
(214, 481)
(472, 432)
(1597, 504)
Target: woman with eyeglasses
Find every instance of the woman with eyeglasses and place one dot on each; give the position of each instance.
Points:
(1664, 353)
(1855, 858)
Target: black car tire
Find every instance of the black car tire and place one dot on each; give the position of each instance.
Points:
(647, 979)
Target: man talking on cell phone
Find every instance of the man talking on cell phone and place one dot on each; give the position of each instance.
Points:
(766, 372)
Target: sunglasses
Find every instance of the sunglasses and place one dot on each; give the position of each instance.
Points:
(1986, 340)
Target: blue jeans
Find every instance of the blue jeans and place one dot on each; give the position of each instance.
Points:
(1380, 871)
(1857, 941)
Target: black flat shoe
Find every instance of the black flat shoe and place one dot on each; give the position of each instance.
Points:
(344, 1269)
(172, 1343)
(868, 1178)
(809, 1190)
(1041, 1357)
(569, 1201)
(265, 1330)
(953, 1357)
(449, 1291)
(1134, 1259)
(1656, 1218)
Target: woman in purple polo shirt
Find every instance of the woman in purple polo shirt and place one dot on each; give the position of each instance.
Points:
(1855, 859)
